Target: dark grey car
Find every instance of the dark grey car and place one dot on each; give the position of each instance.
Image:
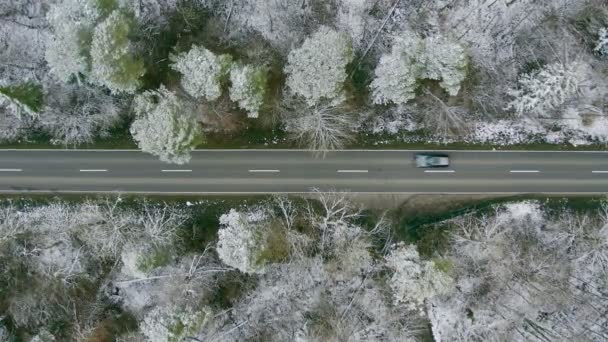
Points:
(432, 160)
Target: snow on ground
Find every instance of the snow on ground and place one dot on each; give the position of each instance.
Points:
(391, 122)
(575, 129)
(505, 132)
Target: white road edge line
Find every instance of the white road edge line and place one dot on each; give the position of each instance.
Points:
(439, 171)
(352, 171)
(259, 171)
(524, 171)
(599, 171)
(301, 150)
(176, 170)
(195, 193)
(10, 170)
(100, 170)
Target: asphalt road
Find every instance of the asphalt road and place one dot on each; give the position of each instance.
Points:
(264, 171)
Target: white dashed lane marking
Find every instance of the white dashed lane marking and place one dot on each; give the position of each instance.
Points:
(95, 170)
(524, 171)
(261, 171)
(176, 170)
(10, 170)
(439, 171)
(352, 171)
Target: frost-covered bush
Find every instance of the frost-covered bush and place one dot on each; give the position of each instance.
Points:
(248, 87)
(415, 280)
(317, 70)
(113, 62)
(72, 23)
(42, 336)
(241, 239)
(166, 126)
(173, 324)
(203, 72)
(77, 114)
(602, 42)
(413, 59)
(539, 93)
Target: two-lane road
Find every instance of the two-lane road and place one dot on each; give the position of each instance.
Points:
(265, 171)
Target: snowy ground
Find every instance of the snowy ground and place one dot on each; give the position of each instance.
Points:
(571, 130)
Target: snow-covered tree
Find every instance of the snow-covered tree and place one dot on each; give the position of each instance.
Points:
(280, 22)
(352, 18)
(114, 64)
(249, 240)
(413, 59)
(248, 86)
(329, 292)
(415, 280)
(445, 61)
(397, 73)
(165, 125)
(307, 300)
(240, 239)
(72, 23)
(203, 73)
(317, 70)
(602, 42)
(541, 92)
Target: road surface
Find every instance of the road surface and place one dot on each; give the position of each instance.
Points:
(281, 171)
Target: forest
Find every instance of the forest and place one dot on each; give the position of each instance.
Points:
(169, 76)
(279, 268)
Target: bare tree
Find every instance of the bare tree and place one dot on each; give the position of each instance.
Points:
(529, 276)
(77, 114)
(320, 128)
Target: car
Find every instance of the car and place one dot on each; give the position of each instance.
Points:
(432, 160)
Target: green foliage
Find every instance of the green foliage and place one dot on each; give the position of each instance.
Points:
(532, 66)
(320, 320)
(180, 329)
(225, 62)
(229, 289)
(105, 7)
(13, 276)
(276, 245)
(114, 63)
(85, 41)
(127, 67)
(201, 228)
(443, 265)
(184, 27)
(588, 23)
(422, 227)
(113, 326)
(361, 74)
(156, 258)
(29, 94)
